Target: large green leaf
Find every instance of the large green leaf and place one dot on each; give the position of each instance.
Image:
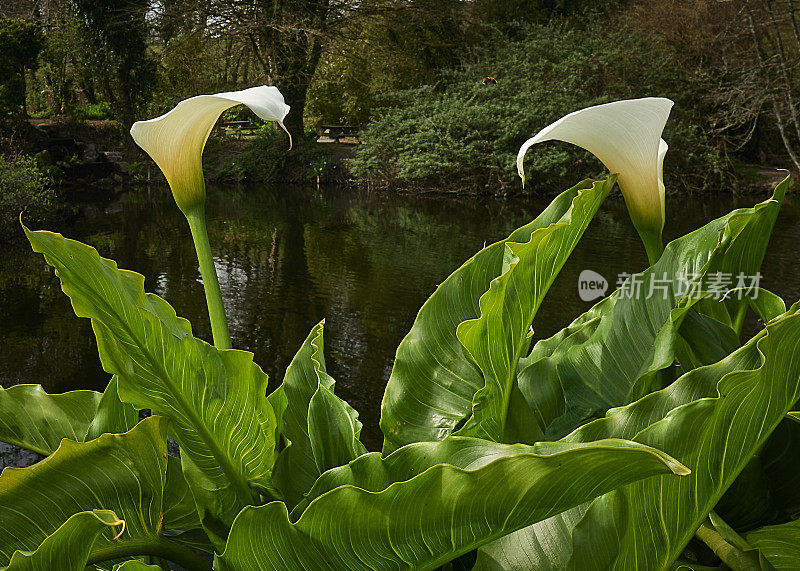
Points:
(320, 431)
(538, 381)
(629, 340)
(181, 520)
(32, 419)
(112, 414)
(434, 380)
(215, 398)
(703, 340)
(713, 419)
(780, 544)
(497, 339)
(410, 511)
(70, 546)
(583, 342)
(544, 546)
(39, 421)
(136, 566)
(125, 473)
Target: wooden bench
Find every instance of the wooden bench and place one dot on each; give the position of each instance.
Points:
(338, 132)
(236, 125)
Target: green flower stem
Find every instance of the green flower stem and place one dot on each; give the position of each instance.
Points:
(156, 547)
(216, 309)
(654, 252)
(731, 556)
(652, 245)
(738, 319)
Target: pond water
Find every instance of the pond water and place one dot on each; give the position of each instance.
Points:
(289, 257)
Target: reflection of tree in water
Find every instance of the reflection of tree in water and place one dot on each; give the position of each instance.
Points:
(374, 269)
(40, 339)
(264, 280)
(286, 258)
(289, 257)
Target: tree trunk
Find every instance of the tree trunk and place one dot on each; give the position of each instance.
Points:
(784, 69)
(289, 51)
(88, 90)
(228, 51)
(795, 27)
(246, 70)
(126, 103)
(775, 107)
(24, 94)
(295, 94)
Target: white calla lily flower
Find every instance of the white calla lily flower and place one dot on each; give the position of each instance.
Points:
(626, 137)
(176, 140)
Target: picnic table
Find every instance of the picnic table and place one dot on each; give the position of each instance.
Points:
(338, 132)
(236, 125)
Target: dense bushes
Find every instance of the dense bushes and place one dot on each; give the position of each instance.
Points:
(465, 129)
(264, 158)
(93, 112)
(23, 188)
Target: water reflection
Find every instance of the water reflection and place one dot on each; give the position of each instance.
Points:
(289, 257)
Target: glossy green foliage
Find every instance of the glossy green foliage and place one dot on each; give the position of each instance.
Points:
(616, 352)
(125, 473)
(713, 419)
(780, 544)
(69, 547)
(497, 339)
(32, 419)
(607, 357)
(375, 517)
(434, 381)
(38, 421)
(47, 418)
(641, 427)
(319, 429)
(136, 566)
(214, 398)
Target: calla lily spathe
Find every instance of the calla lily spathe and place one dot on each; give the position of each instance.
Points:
(626, 137)
(176, 140)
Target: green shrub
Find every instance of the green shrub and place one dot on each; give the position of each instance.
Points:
(93, 112)
(265, 158)
(43, 113)
(23, 188)
(463, 131)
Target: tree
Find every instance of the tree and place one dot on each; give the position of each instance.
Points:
(389, 45)
(20, 44)
(118, 31)
(287, 38)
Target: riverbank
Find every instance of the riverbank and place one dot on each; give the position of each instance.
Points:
(93, 160)
(78, 155)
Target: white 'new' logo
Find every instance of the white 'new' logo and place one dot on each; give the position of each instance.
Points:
(591, 285)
